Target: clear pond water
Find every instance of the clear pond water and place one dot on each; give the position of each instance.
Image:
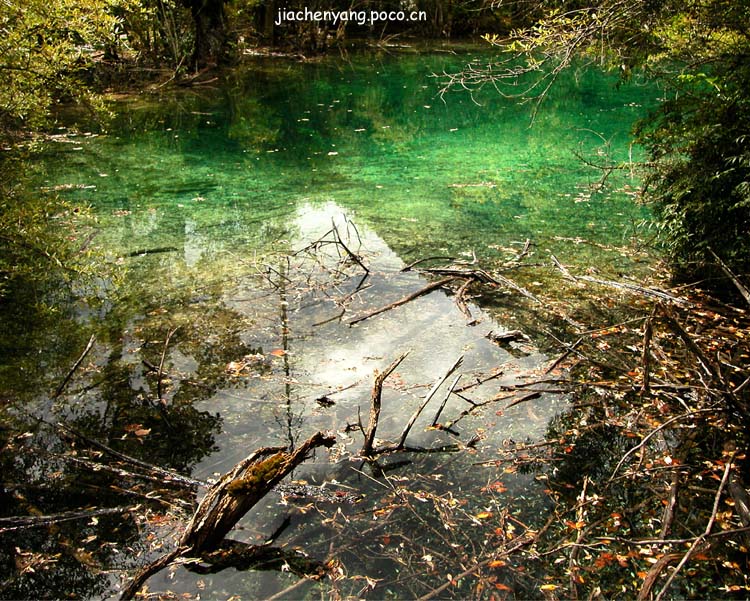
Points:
(208, 200)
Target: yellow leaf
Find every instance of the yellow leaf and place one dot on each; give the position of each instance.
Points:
(483, 515)
(548, 587)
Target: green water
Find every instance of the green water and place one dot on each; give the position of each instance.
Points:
(222, 182)
(370, 134)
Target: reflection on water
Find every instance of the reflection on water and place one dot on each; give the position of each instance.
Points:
(230, 331)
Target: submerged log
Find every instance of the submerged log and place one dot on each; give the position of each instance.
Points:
(229, 500)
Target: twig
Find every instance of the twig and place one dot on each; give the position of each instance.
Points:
(76, 365)
(653, 433)
(160, 370)
(480, 381)
(290, 589)
(702, 537)
(402, 301)
(517, 543)
(461, 298)
(735, 280)
(445, 399)
(570, 349)
(352, 256)
(418, 261)
(433, 390)
(646, 355)
(520, 289)
(377, 391)
(169, 475)
(9, 524)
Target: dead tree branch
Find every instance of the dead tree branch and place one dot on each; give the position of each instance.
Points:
(632, 288)
(76, 365)
(375, 403)
(428, 398)
(229, 500)
(402, 301)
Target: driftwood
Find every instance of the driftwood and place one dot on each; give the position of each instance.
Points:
(228, 501)
(402, 301)
(377, 391)
(632, 288)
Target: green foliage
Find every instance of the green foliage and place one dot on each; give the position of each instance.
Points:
(45, 249)
(47, 49)
(699, 178)
(700, 184)
(159, 32)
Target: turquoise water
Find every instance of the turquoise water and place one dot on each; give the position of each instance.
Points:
(231, 161)
(203, 198)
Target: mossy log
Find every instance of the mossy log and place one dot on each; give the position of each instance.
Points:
(227, 501)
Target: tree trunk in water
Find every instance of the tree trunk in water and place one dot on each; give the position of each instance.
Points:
(210, 22)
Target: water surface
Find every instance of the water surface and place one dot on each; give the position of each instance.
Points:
(208, 198)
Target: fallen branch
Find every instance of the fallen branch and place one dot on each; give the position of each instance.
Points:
(76, 365)
(229, 500)
(632, 288)
(164, 474)
(648, 332)
(160, 370)
(699, 540)
(402, 301)
(655, 431)
(705, 362)
(377, 391)
(433, 390)
(445, 400)
(351, 255)
(19, 522)
(735, 280)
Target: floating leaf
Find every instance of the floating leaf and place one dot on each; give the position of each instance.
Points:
(502, 587)
(548, 587)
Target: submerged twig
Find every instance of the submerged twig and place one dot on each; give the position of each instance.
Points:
(76, 365)
(433, 390)
(377, 391)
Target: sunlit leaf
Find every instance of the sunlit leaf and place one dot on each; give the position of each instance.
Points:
(502, 587)
(548, 587)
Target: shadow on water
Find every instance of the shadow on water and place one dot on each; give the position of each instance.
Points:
(230, 331)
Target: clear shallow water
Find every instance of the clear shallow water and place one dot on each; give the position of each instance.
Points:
(225, 182)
